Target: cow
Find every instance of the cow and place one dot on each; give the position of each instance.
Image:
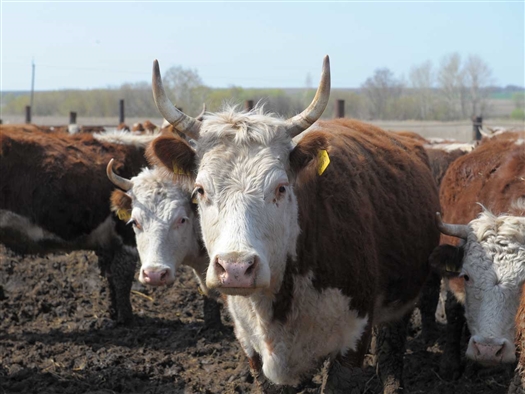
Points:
(482, 257)
(166, 229)
(312, 243)
(54, 197)
(517, 385)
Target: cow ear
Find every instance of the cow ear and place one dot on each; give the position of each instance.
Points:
(173, 154)
(312, 147)
(447, 260)
(121, 204)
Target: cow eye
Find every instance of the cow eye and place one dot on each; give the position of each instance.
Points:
(134, 223)
(199, 190)
(282, 189)
(464, 276)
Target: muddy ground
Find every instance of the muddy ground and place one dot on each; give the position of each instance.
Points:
(56, 337)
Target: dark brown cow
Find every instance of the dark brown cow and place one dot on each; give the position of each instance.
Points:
(492, 175)
(54, 196)
(313, 242)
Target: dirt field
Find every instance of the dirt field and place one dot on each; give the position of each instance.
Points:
(55, 337)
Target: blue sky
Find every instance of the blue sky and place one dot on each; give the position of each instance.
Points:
(266, 44)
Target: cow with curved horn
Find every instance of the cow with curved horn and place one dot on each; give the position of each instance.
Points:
(313, 240)
(166, 228)
(483, 250)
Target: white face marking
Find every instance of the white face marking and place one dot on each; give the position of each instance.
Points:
(319, 325)
(247, 207)
(494, 272)
(166, 228)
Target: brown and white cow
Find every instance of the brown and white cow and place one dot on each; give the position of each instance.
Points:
(167, 230)
(313, 243)
(483, 194)
(54, 196)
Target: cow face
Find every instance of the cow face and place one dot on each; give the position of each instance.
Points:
(491, 269)
(164, 222)
(247, 205)
(244, 187)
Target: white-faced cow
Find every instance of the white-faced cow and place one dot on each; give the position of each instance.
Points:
(167, 230)
(313, 243)
(54, 197)
(483, 195)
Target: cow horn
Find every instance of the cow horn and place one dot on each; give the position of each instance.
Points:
(454, 230)
(182, 122)
(305, 119)
(200, 116)
(123, 183)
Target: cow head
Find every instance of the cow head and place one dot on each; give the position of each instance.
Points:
(243, 168)
(490, 264)
(163, 219)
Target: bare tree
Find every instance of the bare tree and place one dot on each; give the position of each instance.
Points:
(422, 80)
(451, 81)
(478, 76)
(184, 84)
(381, 88)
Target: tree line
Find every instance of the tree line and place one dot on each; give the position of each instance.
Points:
(454, 89)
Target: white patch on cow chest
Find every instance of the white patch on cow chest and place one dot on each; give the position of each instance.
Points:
(319, 324)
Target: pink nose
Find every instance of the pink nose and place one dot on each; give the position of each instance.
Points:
(492, 353)
(236, 272)
(155, 277)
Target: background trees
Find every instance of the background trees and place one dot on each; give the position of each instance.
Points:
(454, 89)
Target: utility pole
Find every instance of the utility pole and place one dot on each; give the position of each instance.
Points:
(32, 82)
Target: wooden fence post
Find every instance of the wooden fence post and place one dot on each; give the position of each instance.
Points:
(477, 123)
(339, 108)
(28, 114)
(121, 111)
(72, 118)
(248, 105)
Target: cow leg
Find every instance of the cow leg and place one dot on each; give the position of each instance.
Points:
(344, 374)
(264, 385)
(118, 266)
(450, 366)
(390, 349)
(428, 302)
(212, 313)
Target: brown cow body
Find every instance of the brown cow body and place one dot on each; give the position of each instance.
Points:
(366, 230)
(54, 196)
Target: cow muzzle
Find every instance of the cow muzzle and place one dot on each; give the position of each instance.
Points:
(156, 276)
(490, 351)
(233, 271)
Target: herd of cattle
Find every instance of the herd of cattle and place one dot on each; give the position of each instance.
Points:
(311, 232)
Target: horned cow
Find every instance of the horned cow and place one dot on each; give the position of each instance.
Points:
(313, 243)
(166, 229)
(483, 253)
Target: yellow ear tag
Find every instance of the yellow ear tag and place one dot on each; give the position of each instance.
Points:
(194, 200)
(178, 170)
(322, 161)
(123, 214)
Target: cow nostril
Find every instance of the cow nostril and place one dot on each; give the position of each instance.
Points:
(163, 275)
(250, 269)
(500, 351)
(145, 274)
(219, 268)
